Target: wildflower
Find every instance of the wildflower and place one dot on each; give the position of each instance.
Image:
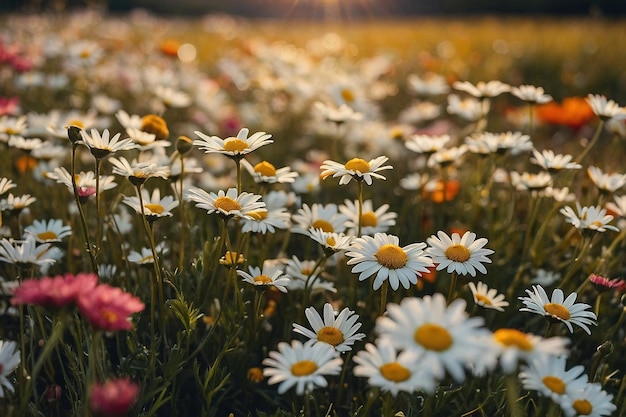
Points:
(606, 182)
(113, 398)
(487, 298)
(232, 259)
(16, 203)
(545, 278)
(392, 370)
(431, 84)
(482, 89)
(144, 257)
(128, 121)
(514, 346)
(255, 374)
(573, 112)
(444, 336)
(154, 207)
(588, 217)
(382, 256)
(51, 231)
(414, 181)
(151, 123)
(427, 144)
(447, 156)
(531, 94)
(331, 242)
(357, 168)
(530, 181)
(9, 360)
(469, 108)
(337, 115)
(301, 365)
(618, 207)
(138, 172)
(550, 161)
(57, 291)
(145, 140)
(590, 401)
(339, 331)
(25, 253)
(303, 275)
(6, 184)
(270, 276)
(559, 309)
(85, 181)
(102, 145)
(171, 97)
(548, 376)
(463, 255)
(12, 126)
(227, 203)
(24, 144)
(439, 191)
(605, 109)
(233, 147)
(603, 284)
(109, 308)
(372, 221)
(415, 114)
(326, 217)
(266, 220)
(264, 172)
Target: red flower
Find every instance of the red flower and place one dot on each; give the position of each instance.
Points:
(55, 291)
(108, 308)
(573, 112)
(113, 398)
(603, 284)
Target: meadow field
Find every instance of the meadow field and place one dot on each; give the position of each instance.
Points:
(218, 216)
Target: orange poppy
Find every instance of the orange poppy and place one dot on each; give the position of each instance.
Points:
(573, 112)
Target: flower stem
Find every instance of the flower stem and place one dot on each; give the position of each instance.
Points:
(512, 396)
(594, 140)
(452, 289)
(360, 188)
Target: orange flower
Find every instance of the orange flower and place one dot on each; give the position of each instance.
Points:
(25, 163)
(573, 112)
(430, 277)
(170, 47)
(449, 190)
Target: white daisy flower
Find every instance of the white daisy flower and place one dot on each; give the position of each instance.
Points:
(431, 84)
(560, 195)
(482, 89)
(391, 370)
(49, 231)
(564, 310)
(85, 181)
(144, 257)
(447, 156)
(139, 172)
(592, 401)
(9, 360)
(12, 126)
(331, 241)
(357, 168)
(530, 181)
(26, 253)
(264, 172)
(337, 115)
(129, 121)
(514, 142)
(170, 97)
(545, 277)
(339, 331)
(427, 144)
(444, 336)
(301, 365)
(468, 108)
(270, 276)
(372, 221)
(303, 275)
(25, 144)
(606, 182)
(6, 184)
(487, 298)
(146, 140)
(154, 207)
(226, 203)
(319, 216)
(463, 255)
(414, 182)
(16, 202)
(102, 145)
(588, 217)
(619, 206)
(549, 377)
(531, 94)
(233, 147)
(550, 161)
(605, 109)
(266, 220)
(382, 256)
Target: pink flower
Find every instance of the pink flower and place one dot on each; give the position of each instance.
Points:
(603, 284)
(57, 291)
(113, 398)
(108, 308)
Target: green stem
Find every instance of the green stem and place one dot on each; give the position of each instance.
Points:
(383, 297)
(594, 140)
(360, 188)
(512, 396)
(183, 225)
(452, 289)
(98, 204)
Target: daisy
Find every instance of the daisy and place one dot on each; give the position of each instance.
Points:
(233, 147)
(514, 142)
(85, 181)
(545, 277)
(588, 217)
(462, 255)
(304, 273)
(337, 330)
(16, 203)
(382, 256)
(6, 184)
(171, 97)
(264, 172)
(128, 121)
(226, 203)
(427, 144)
(591, 401)
(431, 84)
(138, 172)
(392, 371)
(9, 360)
(605, 109)
(447, 156)
(103, 145)
(319, 216)
(443, 335)
(337, 115)
(416, 113)
(145, 257)
(270, 276)
(146, 140)
(531, 94)
(301, 365)
(557, 308)
(468, 108)
(482, 89)
(606, 182)
(25, 253)
(331, 242)
(266, 220)
(487, 298)
(12, 126)
(357, 168)
(548, 376)
(550, 161)
(51, 231)
(154, 207)
(618, 207)
(372, 221)
(25, 144)
(530, 181)
(414, 182)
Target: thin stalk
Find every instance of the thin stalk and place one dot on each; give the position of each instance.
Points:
(383, 297)
(183, 225)
(593, 142)
(512, 396)
(360, 188)
(452, 289)
(98, 204)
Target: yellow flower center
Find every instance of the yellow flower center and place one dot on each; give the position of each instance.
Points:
(303, 368)
(395, 372)
(582, 407)
(155, 208)
(265, 168)
(482, 299)
(235, 145)
(369, 219)
(324, 225)
(47, 235)
(347, 95)
(255, 374)
(156, 125)
(597, 224)
(227, 204)
(331, 241)
(357, 164)
(457, 253)
(433, 337)
(306, 271)
(232, 258)
(330, 335)
(513, 337)
(391, 256)
(557, 310)
(109, 316)
(263, 279)
(554, 384)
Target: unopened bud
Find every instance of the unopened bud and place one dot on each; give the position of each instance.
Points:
(184, 145)
(73, 133)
